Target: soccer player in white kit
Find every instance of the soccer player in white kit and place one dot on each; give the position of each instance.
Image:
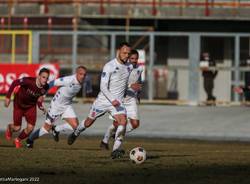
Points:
(61, 105)
(130, 101)
(113, 85)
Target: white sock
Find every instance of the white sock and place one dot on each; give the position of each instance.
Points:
(129, 128)
(42, 131)
(81, 127)
(119, 137)
(64, 127)
(108, 133)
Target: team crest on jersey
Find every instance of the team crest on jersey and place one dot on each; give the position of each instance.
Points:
(138, 72)
(103, 74)
(128, 69)
(117, 68)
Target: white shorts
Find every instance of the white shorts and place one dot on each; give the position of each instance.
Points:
(100, 107)
(131, 108)
(64, 112)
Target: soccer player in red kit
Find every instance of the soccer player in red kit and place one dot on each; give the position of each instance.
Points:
(30, 94)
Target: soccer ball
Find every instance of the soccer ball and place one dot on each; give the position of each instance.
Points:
(138, 155)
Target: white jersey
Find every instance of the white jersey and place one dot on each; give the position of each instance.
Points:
(114, 81)
(61, 102)
(69, 87)
(135, 76)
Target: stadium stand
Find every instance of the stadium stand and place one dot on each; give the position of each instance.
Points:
(134, 8)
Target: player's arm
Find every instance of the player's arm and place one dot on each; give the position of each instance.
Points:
(139, 92)
(40, 100)
(14, 84)
(138, 85)
(135, 86)
(62, 81)
(106, 74)
(40, 105)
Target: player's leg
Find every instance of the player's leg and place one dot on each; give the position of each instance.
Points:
(30, 116)
(132, 114)
(51, 116)
(119, 135)
(23, 135)
(120, 132)
(17, 122)
(96, 111)
(133, 124)
(71, 123)
(80, 128)
(105, 141)
(37, 134)
(110, 132)
(47, 126)
(11, 127)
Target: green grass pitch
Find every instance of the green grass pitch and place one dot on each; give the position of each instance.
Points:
(168, 161)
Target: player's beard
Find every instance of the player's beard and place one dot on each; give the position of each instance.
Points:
(134, 65)
(123, 60)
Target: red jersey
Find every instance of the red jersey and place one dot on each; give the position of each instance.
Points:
(28, 93)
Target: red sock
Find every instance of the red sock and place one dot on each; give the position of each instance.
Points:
(22, 135)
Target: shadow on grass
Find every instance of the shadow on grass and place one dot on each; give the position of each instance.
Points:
(139, 174)
(152, 157)
(7, 146)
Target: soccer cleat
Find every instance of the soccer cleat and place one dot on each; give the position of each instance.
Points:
(17, 143)
(55, 133)
(8, 133)
(122, 152)
(117, 154)
(71, 139)
(104, 145)
(29, 143)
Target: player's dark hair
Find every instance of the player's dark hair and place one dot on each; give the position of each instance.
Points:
(44, 70)
(123, 44)
(134, 52)
(81, 67)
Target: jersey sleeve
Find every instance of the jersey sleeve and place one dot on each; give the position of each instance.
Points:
(15, 83)
(63, 81)
(140, 77)
(104, 87)
(138, 96)
(40, 101)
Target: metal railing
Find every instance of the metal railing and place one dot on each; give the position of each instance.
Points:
(155, 5)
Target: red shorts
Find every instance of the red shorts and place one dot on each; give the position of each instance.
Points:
(29, 114)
